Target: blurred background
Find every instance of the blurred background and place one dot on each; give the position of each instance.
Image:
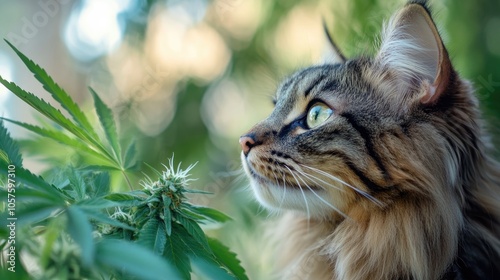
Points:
(188, 77)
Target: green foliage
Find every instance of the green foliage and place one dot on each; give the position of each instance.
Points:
(74, 227)
(9, 150)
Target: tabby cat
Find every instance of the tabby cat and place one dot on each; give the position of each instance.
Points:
(381, 165)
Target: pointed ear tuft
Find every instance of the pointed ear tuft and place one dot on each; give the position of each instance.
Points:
(332, 54)
(413, 53)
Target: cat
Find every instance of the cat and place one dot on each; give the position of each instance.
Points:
(381, 165)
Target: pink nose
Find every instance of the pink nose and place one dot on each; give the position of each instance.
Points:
(246, 143)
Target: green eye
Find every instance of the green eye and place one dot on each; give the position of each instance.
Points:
(318, 114)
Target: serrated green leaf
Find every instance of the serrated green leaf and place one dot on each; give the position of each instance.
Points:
(57, 92)
(44, 108)
(61, 138)
(134, 260)
(9, 147)
(4, 156)
(108, 124)
(194, 230)
(153, 236)
(80, 230)
(181, 247)
(176, 251)
(77, 183)
(96, 203)
(124, 199)
(227, 258)
(141, 214)
(118, 197)
(56, 116)
(26, 177)
(208, 213)
(167, 214)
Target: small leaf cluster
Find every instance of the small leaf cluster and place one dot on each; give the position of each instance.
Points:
(74, 227)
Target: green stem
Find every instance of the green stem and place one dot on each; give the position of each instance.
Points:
(127, 179)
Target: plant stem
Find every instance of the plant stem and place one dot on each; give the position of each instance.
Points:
(127, 179)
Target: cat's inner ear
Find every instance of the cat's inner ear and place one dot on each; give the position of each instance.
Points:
(413, 53)
(331, 52)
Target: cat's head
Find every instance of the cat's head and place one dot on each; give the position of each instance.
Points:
(364, 131)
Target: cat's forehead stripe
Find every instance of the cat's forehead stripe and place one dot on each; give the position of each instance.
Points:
(303, 87)
(297, 110)
(304, 81)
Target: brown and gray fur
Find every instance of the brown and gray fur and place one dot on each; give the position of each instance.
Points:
(398, 183)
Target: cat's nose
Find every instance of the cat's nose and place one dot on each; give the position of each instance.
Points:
(247, 142)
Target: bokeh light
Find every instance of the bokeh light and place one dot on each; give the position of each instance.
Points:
(6, 73)
(94, 29)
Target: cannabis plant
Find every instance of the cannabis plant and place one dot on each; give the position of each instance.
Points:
(68, 224)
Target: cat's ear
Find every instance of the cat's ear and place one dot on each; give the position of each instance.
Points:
(331, 53)
(413, 53)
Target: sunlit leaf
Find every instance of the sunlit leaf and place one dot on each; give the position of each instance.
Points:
(62, 138)
(4, 156)
(9, 148)
(57, 92)
(26, 177)
(108, 123)
(45, 109)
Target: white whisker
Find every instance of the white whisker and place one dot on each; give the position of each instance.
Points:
(365, 194)
(284, 190)
(319, 180)
(318, 196)
(303, 194)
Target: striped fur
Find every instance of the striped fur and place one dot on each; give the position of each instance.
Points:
(397, 183)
